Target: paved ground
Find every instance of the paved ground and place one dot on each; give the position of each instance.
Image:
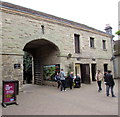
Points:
(48, 100)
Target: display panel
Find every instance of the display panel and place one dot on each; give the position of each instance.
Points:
(9, 92)
(49, 71)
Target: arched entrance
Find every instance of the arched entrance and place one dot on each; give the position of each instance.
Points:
(44, 53)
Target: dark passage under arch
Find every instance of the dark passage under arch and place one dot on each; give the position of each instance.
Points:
(43, 53)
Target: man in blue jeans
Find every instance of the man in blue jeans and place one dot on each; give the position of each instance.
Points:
(63, 80)
(109, 81)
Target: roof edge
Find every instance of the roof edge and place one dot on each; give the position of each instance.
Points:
(48, 16)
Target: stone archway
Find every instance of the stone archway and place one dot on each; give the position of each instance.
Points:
(43, 52)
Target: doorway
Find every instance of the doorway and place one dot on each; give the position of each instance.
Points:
(77, 69)
(43, 53)
(85, 73)
(105, 67)
(93, 70)
(27, 68)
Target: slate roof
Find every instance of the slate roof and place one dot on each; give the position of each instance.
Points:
(48, 16)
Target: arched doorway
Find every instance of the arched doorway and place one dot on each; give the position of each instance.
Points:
(43, 53)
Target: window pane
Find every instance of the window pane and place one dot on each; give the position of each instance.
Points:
(104, 44)
(91, 42)
(77, 43)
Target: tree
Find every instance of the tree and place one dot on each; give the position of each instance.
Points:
(27, 61)
(118, 32)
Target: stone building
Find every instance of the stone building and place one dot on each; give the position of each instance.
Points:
(117, 59)
(52, 43)
(117, 49)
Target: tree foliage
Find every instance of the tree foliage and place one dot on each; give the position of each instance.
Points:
(118, 32)
(27, 61)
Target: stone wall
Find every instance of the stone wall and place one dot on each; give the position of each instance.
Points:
(0, 51)
(117, 67)
(19, 30)
(9, 72)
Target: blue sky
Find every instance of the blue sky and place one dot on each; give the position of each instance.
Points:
(94, 13)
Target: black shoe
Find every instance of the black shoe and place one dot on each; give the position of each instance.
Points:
(107, 94)
(113, 96)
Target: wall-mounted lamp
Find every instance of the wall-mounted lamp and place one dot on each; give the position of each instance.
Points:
(93, 59)
(69, 56)
(78, 58)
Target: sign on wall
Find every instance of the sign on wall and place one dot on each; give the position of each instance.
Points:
(16, 66)
(49, 71)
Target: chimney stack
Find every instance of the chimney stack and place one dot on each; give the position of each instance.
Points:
(108, 29)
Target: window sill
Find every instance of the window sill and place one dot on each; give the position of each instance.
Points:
(104, 49)
(77, 52)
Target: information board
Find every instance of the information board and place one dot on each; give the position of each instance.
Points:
(9, 92)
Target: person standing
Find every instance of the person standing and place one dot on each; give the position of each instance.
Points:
(109, 83)
(63, 82)
(57, 78)
(105, 73)
(70, 79)
(99, 78)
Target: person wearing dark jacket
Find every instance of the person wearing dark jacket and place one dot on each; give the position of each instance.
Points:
(77, 81)
(109, 83)
(57, 78)
(70, 79)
